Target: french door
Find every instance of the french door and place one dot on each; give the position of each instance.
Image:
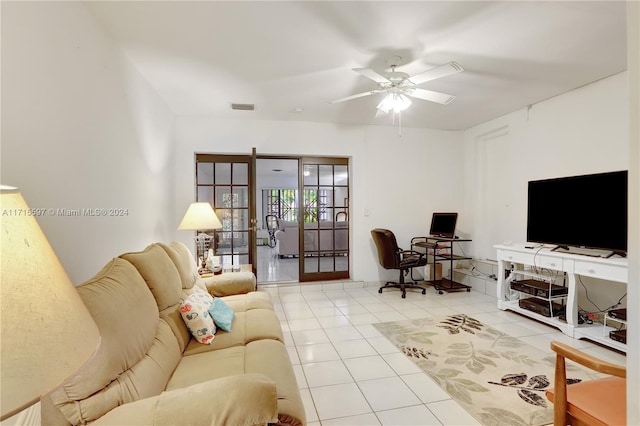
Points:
(225, 181)
(324, 220)
(228, 183)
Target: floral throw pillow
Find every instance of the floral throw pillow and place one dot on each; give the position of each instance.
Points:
(195, 313)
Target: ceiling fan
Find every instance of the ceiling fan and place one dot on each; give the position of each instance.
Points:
(398, 85)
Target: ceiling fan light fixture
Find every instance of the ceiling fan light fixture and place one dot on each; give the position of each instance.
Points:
(395, 102)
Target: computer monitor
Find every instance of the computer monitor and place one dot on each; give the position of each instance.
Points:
(443, 225)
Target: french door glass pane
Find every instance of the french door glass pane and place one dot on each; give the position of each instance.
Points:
(311, 264)
(205, 193)
(326, 174)
(340, 196)
(310, 174)
(241, 197)
(327, 264)
(341, 175)
(240, 174)
(205, 173)
(223, 173)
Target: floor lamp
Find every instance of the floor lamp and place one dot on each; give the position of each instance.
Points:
(200, 216)
(47, 332)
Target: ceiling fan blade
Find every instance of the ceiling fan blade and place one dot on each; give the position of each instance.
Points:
(429, 95)
(369, 73)
(358, 95)
(437, 72)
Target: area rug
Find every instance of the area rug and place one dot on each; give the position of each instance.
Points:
(498, 379)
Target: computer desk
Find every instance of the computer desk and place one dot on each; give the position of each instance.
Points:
(440, 249)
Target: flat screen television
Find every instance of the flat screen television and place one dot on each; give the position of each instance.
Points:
(587, 211)
(443, 225)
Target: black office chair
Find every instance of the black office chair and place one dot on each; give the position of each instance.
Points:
(391, 256)
(341, 217)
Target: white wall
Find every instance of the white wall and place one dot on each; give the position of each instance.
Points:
(82, 129)
(584, 131)
(580, 132)
(399, 181)
(633, 342)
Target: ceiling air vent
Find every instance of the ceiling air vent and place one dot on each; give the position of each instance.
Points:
(243, 107)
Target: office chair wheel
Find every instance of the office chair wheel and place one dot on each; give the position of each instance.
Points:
(424, 291)
(468, 289)
(380, 290)
(440, 292)
(404, 295)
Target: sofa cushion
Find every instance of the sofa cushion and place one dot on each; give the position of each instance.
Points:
(230, 283)
(208, 365)
(137, 354)
(268, 357)
(184, 262)
(195, 313)
(159, 272)
(246, 302)
(248, 326)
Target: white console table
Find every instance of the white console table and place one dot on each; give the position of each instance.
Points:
(518, 256)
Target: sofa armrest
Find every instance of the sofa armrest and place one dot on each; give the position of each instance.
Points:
(243, 399)
(230, 283)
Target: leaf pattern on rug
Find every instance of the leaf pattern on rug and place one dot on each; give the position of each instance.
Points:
(527, 392)
(500, 417)
(413, 352)
(455, 323)
(500, 339)
(519, 358)
(414, 331)
(465, 354)
(466, 361)
(457, 387)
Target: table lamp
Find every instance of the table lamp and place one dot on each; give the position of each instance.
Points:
(200, 216)
(47, 332)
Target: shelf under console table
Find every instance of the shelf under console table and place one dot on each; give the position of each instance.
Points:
(518, 256)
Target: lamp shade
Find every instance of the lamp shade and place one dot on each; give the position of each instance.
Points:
(200, 216)
(47, 332)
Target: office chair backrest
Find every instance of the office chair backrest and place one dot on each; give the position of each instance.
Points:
(272, 222)
(341, 217)
(387, 248)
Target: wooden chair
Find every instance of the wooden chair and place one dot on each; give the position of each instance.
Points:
(592, 402)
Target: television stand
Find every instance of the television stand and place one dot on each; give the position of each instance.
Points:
(524, 261)
(584, 251)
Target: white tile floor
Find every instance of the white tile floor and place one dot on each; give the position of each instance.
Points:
(349, 374)
(270, 268)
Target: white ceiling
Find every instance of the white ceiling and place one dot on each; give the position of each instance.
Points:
(202, 56)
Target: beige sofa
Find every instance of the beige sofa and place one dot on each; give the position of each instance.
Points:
(150, 370)
(318, 237)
